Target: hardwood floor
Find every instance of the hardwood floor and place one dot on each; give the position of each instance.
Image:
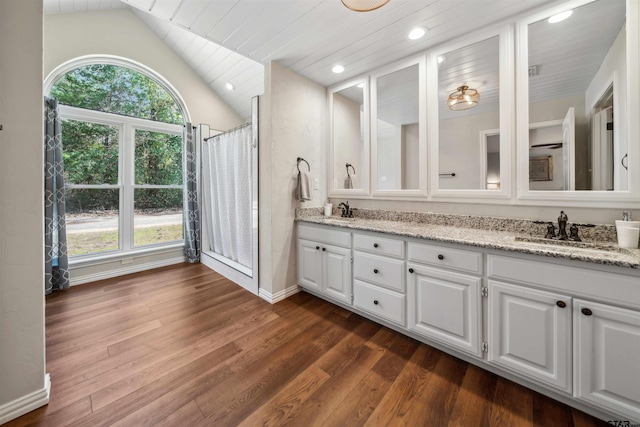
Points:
(183, 346)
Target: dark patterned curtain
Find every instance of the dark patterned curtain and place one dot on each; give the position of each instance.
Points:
(55, 231)
(191, 202)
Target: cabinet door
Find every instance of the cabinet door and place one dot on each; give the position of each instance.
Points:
(607, 364)
(310, 265)
(445, 306)
(530, 333)
(337, 272)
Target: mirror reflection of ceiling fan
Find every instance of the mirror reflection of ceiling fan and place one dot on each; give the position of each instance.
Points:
(550, 146)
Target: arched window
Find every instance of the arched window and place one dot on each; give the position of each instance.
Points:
(122, 145)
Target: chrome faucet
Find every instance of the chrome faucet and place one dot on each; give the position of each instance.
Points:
(346, 211)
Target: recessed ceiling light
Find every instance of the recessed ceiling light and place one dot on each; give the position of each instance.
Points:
(560, 16)
(417, 33)
(230, 86)
(338, 69)
(361, 85)
(440, 59)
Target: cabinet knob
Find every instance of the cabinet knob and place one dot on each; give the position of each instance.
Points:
(586, 312)
(561, 304)
(440, 257)
(375, 245)
(375, 270)
(317, 247)
(375, 302)
(324, 249)
(411, 270)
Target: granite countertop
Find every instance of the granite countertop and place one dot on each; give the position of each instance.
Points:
(606, 253)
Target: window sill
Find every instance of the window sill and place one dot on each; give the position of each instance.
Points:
(86, 261)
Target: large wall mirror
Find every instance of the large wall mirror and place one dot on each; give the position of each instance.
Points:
(398, 129)
(473, 136)
(349, 155)
(575, 135)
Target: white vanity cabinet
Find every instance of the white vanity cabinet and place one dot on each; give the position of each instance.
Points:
(568, 329)
(607, 357)
(529, 332)
(324, 261)
(444, 304)
(378, 276)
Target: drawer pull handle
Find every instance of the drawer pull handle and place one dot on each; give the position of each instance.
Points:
(324, 249)
(375, 245)
(375, 270)
(375, 302)
(440, 257)
(586, 312)
(411, 270)
(317, 247)
(561, 304)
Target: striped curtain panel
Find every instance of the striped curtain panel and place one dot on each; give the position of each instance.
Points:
(55, 229)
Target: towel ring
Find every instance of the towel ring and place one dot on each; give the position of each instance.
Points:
(300, 159)
(349, 165)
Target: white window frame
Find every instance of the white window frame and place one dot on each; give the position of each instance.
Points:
(126, 179)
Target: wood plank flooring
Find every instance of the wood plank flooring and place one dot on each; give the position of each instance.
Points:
(183, 346)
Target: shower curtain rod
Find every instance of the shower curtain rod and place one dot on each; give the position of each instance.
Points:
(229, 131)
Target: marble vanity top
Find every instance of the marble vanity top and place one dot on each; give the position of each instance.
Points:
(514, 240)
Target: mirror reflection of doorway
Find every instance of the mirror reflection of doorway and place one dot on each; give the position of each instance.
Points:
(490, 159)
(602, 143)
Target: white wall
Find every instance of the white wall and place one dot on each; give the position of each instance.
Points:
(389, 156)
(121, 33)
(410, 156)
(460, 147)
(22, 351)
(293, 123)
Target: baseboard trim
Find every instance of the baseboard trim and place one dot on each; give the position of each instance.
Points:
(278, 296)
(27, 403)
(124, 270)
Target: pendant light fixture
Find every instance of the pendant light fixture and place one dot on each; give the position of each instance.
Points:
(463, 98)
(364, 5)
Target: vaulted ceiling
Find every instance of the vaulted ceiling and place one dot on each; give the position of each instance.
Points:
(231, 40)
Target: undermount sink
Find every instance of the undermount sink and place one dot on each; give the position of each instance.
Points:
(339, 220)
(610, 247)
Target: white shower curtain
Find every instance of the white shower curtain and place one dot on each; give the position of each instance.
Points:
(226, 187)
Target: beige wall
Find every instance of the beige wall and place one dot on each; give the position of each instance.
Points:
(293, 123)
(121, 33)
(22, 364)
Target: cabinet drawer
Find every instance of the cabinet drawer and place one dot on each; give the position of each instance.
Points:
(328, 235)
(379, 245)
(381, 271)
(380, 302)
(458, 259)
(577, 281)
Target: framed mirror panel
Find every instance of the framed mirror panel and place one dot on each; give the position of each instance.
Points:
(398, 130)
(576, 102)
(349, 138)
(471, 106)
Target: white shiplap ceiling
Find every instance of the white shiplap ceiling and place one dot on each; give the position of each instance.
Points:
(231, 40)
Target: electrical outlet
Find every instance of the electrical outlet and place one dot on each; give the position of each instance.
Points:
(316, 184)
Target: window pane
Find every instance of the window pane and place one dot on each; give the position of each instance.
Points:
(158, 158)
(118, 90)
(90, 152)
(158, 216)
(92, 220)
